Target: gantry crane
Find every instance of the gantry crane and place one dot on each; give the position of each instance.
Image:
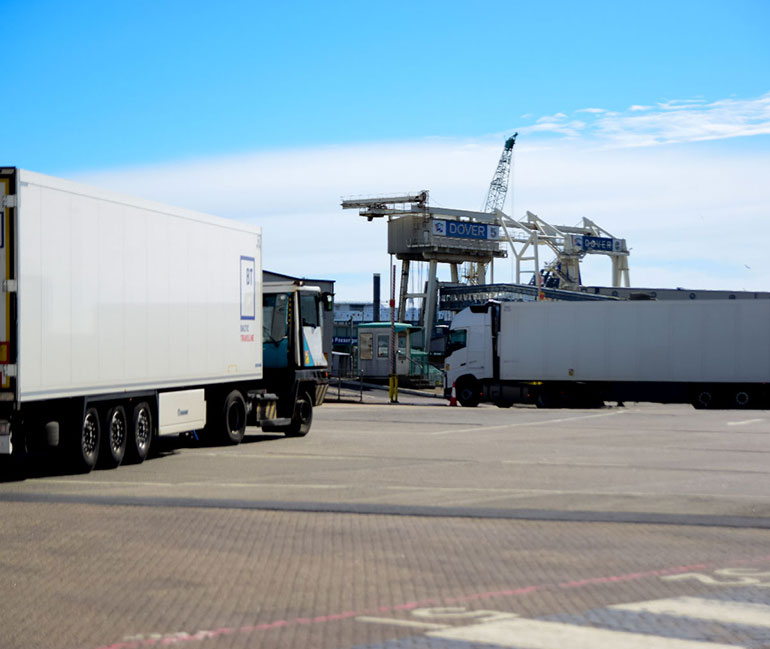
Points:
(423, 233)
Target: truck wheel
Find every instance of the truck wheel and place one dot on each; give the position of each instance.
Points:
(84, 441)
(546, 398)
(468, 393)
(303, 417)
(140, 434)
(233, 419)
(115, 438)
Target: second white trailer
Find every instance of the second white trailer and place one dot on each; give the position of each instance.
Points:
(708, 353)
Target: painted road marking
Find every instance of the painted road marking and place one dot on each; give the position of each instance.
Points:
(494, 492)
(744, 423)
(525, 424)
(537, 634)
(723, 612)
(392, 621)
(448, 611)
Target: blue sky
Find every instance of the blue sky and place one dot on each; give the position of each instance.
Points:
(296, 104)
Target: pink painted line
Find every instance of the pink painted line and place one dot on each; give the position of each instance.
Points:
(631, 576)
(499, 593)
(172, 639)
(412, 605)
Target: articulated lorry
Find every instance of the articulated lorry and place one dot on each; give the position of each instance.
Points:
(712, 354)
(123, 319)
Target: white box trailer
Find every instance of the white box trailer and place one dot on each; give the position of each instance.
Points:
(122, 317)
(709, 353)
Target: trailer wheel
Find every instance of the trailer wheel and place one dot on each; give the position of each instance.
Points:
(546, 398)
(302, 418)
(84, 441)
(113, 447)
(140, 434)
(703, 400)
(742, 399)
(233, 419)
(468, 392)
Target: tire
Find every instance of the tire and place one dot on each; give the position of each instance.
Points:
(703, 400)
(546, 398)
(743, 399)
(140, 434)
(233, 422)
(468, 393)
(84, 439)
(302, 418)
(114, 438)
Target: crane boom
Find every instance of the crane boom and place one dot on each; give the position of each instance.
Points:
(498, 188)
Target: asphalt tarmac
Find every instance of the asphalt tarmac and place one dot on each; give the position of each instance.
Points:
(406, 525)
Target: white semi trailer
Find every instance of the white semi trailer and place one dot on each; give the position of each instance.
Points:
(711, 354)
(123, 319)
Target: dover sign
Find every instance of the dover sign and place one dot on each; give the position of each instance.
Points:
(465, 230)
(596, 244)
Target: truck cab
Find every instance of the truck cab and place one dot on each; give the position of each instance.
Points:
(471, 352)
(294, 362)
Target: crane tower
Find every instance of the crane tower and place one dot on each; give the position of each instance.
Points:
(498, 188)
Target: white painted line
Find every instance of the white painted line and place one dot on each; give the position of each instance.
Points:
(283, 456)
(536, 634)
(407, 623)
(567, 463)
(705, 609)
(744, 423)
(524, 424)
(109, 483)
(502, 491)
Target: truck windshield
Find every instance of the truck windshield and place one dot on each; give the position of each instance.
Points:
(457, 339)
(274, 317)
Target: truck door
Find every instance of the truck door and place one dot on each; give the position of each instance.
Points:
(311, 319)
(275, 329)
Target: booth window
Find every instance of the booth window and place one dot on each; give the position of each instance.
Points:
(383, 345)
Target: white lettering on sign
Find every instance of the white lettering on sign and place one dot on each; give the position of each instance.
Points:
(465, 230)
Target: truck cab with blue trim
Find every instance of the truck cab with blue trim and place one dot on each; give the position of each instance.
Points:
(295, 365)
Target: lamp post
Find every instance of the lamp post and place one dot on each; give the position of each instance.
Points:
(393, 381)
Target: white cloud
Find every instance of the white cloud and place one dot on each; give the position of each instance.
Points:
(694, 216)
(673, 121)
